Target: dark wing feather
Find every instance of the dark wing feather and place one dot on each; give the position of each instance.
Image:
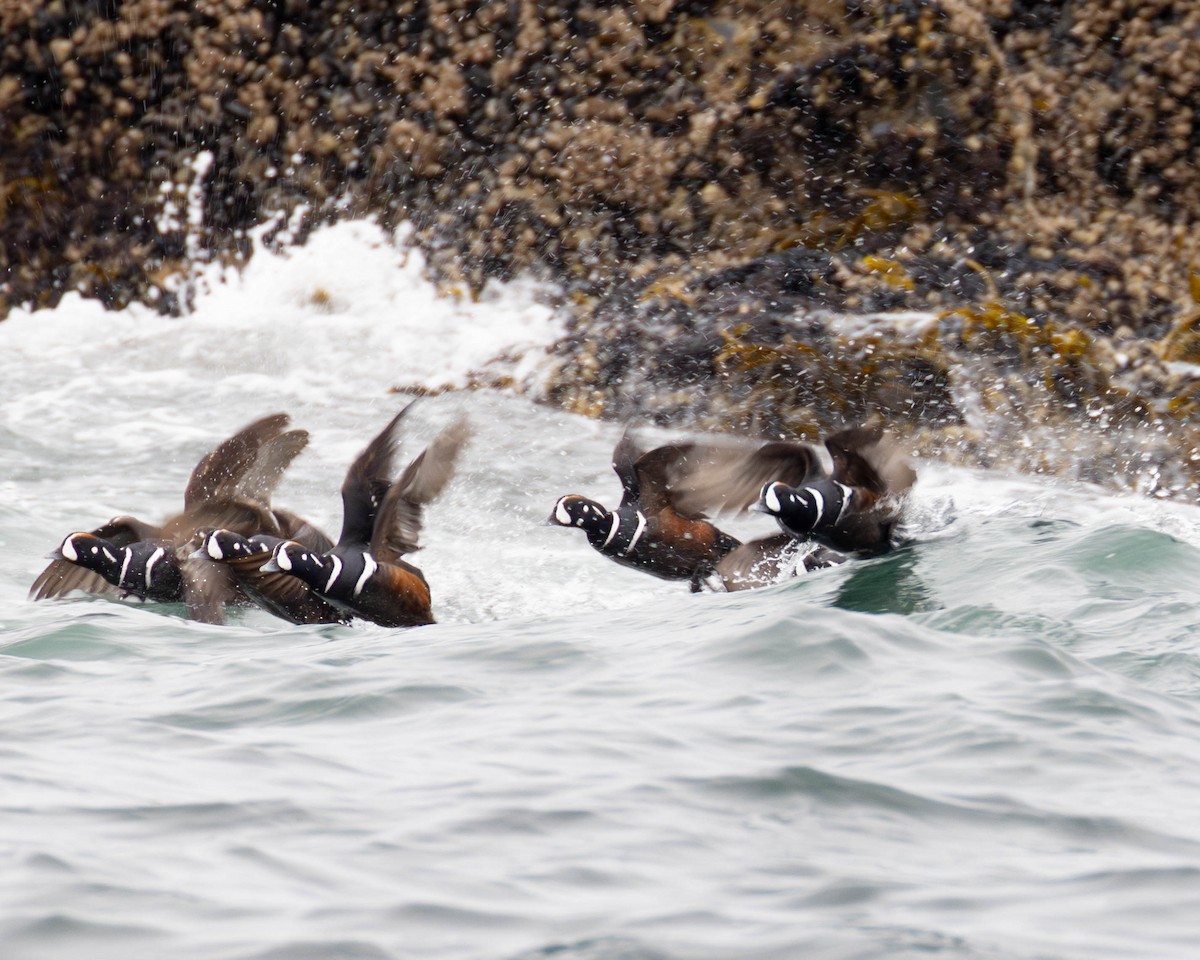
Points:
(654, 470)
(398, 529)
(367, 482)
(625, 457)
(727, 476)
(207, 588)
(122, 531)
(61, 577)
(240, 516)
(291, 599)
(219, 472)
(862, 458)
(232, 487)
(293, 527)
(274, 457)
(755, 563)
(287, 597)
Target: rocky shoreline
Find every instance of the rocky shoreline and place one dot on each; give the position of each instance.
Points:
(976, 219)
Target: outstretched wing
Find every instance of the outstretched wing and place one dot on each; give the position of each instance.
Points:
(398, 528)
(61, 577)
(274, 457)
(231, 488)
(240, 516)
(367, 482)
(624, 462)
(863, 458)
(724, 477)
(220, 471)
(655, 471)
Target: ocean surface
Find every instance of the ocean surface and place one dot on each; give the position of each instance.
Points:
(984, 746)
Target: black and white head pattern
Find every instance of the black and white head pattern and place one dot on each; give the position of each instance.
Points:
(576, 511)
(88, 550)
(298, 560)
(134, 567)
(338, 577)
(222, 545)
(806, 508)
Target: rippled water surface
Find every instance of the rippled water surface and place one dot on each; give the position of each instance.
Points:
(985, 745)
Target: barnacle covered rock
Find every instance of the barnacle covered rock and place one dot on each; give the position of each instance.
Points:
(981, 160)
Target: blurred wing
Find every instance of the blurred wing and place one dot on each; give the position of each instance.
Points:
(398, 529)
(424, 479)
(61, 577)
(624, 462)
(207, 587)
(219, 472)
(655, 470)
(756, 562)
(274, 457)
(367, 482)
(242, 503)
(727, 477)
(240, 516)
(862, 458)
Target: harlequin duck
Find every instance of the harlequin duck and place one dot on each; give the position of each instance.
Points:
(230, 487)
(62, 576)
(287, 597)
(730, 475)
(856, 507)
(145, 568)
(365, 574)
(650, 530)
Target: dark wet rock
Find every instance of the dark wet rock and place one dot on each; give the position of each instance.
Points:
(749, 350)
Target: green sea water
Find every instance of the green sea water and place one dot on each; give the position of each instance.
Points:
(984, 746)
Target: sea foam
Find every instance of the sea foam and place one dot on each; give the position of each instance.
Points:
(347, 316)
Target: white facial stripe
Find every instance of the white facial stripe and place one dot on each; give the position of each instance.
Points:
(214, 549)
(68, 550)
(369, 567)
(282, 560)
(847, 494)
(561, 515)
(637, 534)
(124, 566)
(337, 569)
(612, 530)
(154, 558)
(771, 499)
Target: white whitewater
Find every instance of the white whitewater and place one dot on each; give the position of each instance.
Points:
(985, 746)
